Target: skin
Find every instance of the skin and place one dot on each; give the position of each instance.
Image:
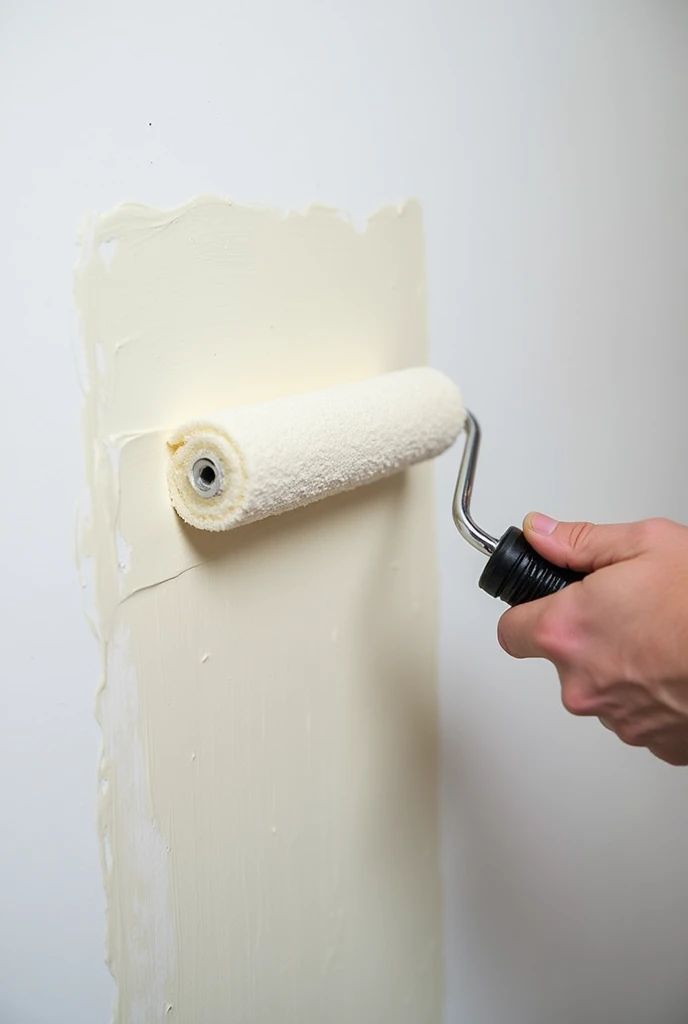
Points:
(619, 638)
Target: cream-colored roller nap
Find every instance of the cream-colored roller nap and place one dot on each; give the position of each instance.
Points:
(255, 461)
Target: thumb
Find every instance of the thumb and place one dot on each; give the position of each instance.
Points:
(584, 547)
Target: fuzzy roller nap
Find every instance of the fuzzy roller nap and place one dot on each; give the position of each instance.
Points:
(255, 461)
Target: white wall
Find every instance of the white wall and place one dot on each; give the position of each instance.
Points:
(547, 144)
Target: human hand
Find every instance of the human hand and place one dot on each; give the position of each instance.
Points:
(618, 638)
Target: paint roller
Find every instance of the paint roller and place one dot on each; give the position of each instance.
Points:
(254, 461)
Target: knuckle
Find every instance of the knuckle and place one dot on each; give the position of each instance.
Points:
(549, 634)
(579, 535)
(576, 700)
(653, 531)
(630, 734)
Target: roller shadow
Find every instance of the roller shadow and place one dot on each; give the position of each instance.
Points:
(290, 526)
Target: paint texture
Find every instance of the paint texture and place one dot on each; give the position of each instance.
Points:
(268, 801)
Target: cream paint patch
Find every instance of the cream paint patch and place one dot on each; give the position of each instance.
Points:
(268, 807)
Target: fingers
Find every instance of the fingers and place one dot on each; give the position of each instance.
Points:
(584, 546)
(537, 629)
(516, 631)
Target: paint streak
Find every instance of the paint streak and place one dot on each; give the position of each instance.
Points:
(268, 804)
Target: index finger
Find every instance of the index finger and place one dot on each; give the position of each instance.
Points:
(520, 631)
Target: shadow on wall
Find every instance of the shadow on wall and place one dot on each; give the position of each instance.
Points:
(553, 965)
(290, 526)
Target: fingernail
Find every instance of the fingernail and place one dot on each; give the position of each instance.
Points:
(542, 524)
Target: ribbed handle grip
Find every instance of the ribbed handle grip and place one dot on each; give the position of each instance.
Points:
(516, 573)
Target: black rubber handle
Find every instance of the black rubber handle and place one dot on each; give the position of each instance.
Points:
(516, 573)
